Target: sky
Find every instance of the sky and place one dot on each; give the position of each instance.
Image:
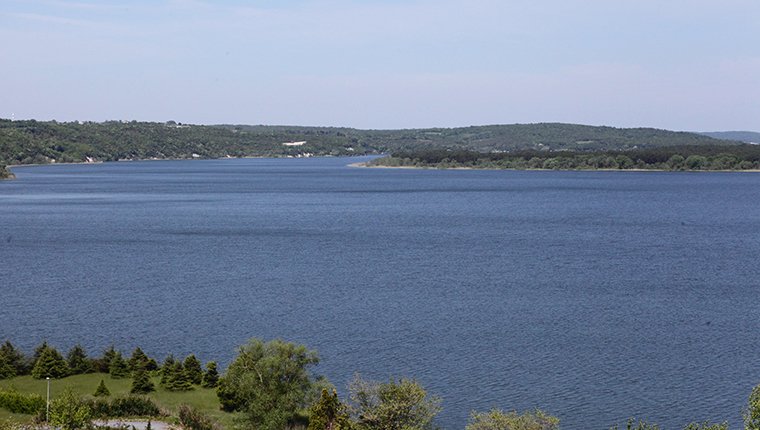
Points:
(672, 64)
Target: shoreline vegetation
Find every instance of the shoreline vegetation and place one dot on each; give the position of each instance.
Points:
(269, 385)
(31, 142)
(743, 158)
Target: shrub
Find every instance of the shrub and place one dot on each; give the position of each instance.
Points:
(192, 419)
(69, 412)
(496, 419)
(18, 403)
(128, 406)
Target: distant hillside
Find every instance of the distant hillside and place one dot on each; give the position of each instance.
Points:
(25, 142)
(741, 136)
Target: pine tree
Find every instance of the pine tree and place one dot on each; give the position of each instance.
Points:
(211, 377)
(50, 364)
(6, 369)
(102, 390)
(104, 362)
(166, 369)
(141, 384)
(14, 358)
(78, 361)
(118, 367)
(178, 379)
(38, 352)
(193, 369)
(138, 360)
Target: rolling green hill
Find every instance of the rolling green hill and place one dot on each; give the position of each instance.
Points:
(37, 142)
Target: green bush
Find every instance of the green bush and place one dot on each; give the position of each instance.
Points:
(18, 403)
(128, 406)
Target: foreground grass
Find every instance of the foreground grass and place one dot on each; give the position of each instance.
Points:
(203, 399)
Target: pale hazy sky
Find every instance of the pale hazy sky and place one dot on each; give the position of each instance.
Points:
(675, 64)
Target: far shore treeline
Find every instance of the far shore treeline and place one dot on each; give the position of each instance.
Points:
(269, 386)
(44, 142)
(671, 158)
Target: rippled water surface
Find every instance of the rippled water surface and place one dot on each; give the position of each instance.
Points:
(593, 295)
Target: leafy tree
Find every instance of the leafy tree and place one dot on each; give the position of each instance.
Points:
(269, 382)
(394, 405)
(78, 361)
(13, 357)
(102, 390)
(70, 412)
(496, 419)
(118, 367)
(138, 360)
(141, 383)
(211, 377)
(328, 413)
(752, 412)
(50, 364)
(193, 369)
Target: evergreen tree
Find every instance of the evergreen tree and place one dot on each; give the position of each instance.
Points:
(193, 369)
(102, 390)
(211, 377)
(38, 352)
(118, 367)
(78, 361)
(166, 369)
(151, 365)
(103, 364)
(6, 369)
(138, 360)
(141, 384)
(50, 364)
(178, 379)
(13, 357)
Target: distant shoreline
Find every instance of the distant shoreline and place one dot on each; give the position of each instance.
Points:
(365, 165)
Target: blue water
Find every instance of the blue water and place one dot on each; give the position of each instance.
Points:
(596, 296)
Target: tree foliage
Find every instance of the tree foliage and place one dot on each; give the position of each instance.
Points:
(78, 361)
(102, 390)
(141, 383)
(12, 359)
(329, 413)
(394, 405)
(193, 369)
(211, 376)
(118, 368)
(496, 419)
(269, 382)
(50, 364)
(752, 412)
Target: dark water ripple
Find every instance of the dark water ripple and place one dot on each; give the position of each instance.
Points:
(594, 295)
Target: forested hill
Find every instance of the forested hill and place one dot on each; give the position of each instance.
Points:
(743, 136)
(25, 142)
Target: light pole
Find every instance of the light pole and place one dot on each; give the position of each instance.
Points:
(47, 405)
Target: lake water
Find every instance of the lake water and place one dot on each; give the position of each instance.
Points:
(596, 296)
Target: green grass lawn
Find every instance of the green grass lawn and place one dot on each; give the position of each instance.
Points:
(204, 399)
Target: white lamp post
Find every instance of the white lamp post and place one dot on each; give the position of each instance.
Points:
(47, 406)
